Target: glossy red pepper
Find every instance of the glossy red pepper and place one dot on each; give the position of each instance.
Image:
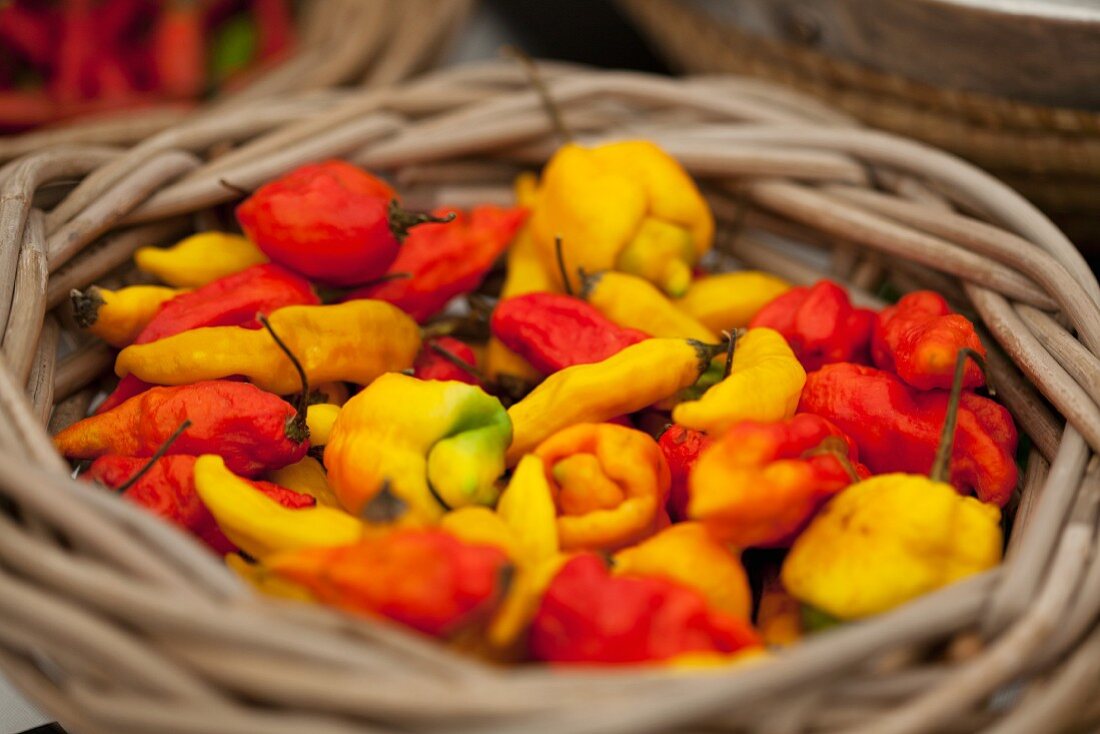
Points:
(897, 427)
(439, 358)
(589, 616)
(918, 339)
(233, 300)
(446, 260)
(167, 489)
(681, 447)
(554, 331)
(820, 324)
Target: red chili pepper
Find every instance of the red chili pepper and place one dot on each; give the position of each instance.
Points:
(233, 300)
(251, 429)
(275, 25)
(29, 33)
(75, 51)
(589, 616)
(167, 489)
(919, 338)
(332, 222)
(554, 331)
(820, 324)
(439, 357)
(681, 447)
(179, 49)
(446, 260)
(897, 427)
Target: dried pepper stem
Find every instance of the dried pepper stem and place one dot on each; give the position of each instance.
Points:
(941, 467)
(566, 283)
(557, 120)
(297, 428)
(121, 489)
(455, 360)
(402, 220)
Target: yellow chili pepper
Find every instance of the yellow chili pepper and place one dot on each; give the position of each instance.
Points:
(633, 302)
(687, 553)
(527, 507)
(199, 259)
(117, 317)
(764, 384)
(319, 418)
(521, 602)
(307, 477)
(355, 341)
(636, 377)
(625, 206)
(889, 539)
(259, 525)
(728, 301)
(429, 441)
(481, 526)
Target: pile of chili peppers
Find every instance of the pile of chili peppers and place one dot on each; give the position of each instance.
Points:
(567, 466)
(66, 58)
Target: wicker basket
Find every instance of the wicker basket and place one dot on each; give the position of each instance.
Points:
(116, 623)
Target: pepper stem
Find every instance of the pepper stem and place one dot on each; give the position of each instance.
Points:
(557, 120)
(239, 190)
(941, 467)
(456, 360)
(86, 306)
(402, 220)
(561, 266)
(834, 446)
(296, 428)
(157, 455)
(731, 345)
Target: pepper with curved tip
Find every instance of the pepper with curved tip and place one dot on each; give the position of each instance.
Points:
(636, 377)
(118, 316)
(634, 303)
(306, 477)
(199, 259)
(764, 384)
(354, 342)
(728, 301)
(435, 444)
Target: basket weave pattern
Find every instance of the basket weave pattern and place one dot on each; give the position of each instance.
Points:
(117, 623)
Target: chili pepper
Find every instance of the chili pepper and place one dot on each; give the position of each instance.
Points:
(634, 303)
(167, 489)
(779, 616)
(554, 331)
(761, 483)
(681, 448)
(178, 49)
(74, 52)
(425, 579)
(446, 260)
(430, 442)
(689, 554)
(276, 26)
(918, 339)
(320, 418)
(252, 429)
(609, 484)
(261, 526)
(29, 33)
(306, 477)
(728, 301)
(820, 324)
(589, 616)
(332, 222)
(626, 206)
(117, 317)
(354, 342)
(896, 427)
(431, 364)
(636, 377)
(764, 384)
(479, 525)
(199, 259)
(527, 507)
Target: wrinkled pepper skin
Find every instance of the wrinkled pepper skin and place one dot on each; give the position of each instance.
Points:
(681, 448)
(354, 342)
(634, 303)
(918, 339)
(430, 441)
(262, 527)
(626, 206)
(424, 579)
(609, 483)
(237, 421)
(887, 540)
(554, 331)
(588, 616)
(897, 428)
(199, 259)
(328, 221)
(117, 317)
(689, 554)
(728, 301)
(820, 324)
(636, 377)
(233, 300)
(167, 489)
(446, 260)
(761, 483)
(764, 384)
(431, 365)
